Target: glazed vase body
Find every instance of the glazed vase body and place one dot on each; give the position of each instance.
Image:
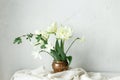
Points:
(59, 66)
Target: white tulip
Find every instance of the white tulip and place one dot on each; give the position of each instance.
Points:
(64, 33)
(52, 28)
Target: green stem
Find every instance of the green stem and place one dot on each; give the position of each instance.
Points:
(26, 35)
(63, 45)
(71, 45)
(44, 51)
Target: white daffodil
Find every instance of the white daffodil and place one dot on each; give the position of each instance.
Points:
(52, 28)
(64, 33)
(36, 54)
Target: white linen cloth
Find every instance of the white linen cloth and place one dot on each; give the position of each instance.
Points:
(71, 74)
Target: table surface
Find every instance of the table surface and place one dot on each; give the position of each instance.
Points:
(78, 71)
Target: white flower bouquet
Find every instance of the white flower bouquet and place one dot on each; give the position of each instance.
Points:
(61, 33)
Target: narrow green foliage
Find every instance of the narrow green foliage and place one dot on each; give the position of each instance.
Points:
(59, 48)
(62, 45)
(63, 55)
(55, 55)
(69, 59)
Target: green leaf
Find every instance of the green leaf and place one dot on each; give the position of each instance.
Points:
(45, 41)
(63, 55)
(55, 55)
(38, 38)
(18, 40)
(62, 45)
(42, 46)
(69, 59)
(60, 50)
(57, 46)
(29, 36)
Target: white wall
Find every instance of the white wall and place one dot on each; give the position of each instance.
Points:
(97, 20)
